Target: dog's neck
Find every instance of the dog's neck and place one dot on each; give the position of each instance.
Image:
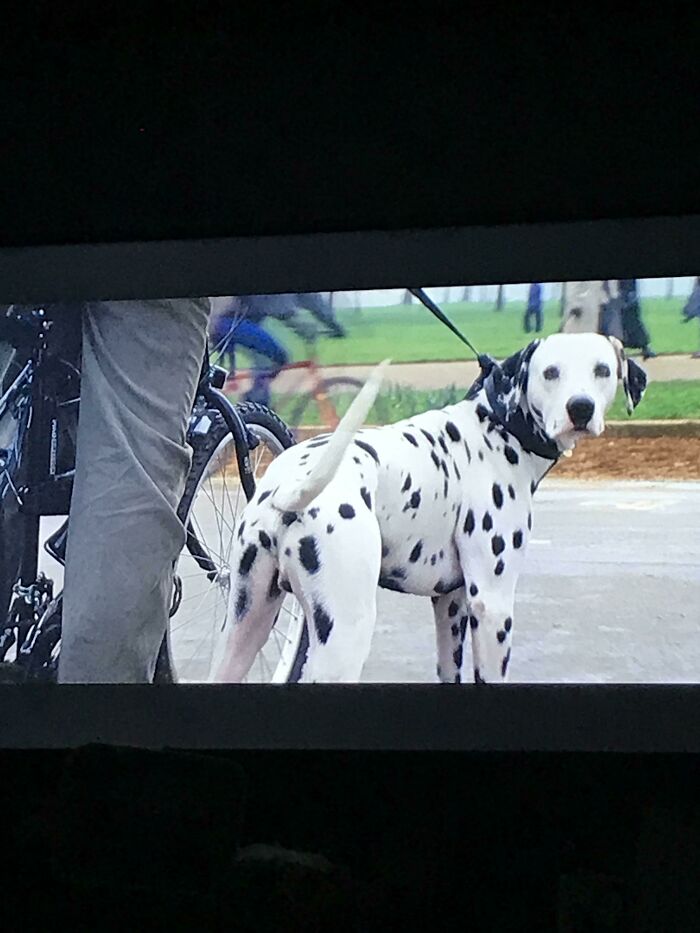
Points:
(519, 422)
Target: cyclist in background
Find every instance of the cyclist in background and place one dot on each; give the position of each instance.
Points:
(238, 322)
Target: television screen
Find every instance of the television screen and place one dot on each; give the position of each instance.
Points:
(525, 508)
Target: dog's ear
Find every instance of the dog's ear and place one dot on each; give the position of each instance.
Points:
(515, 371)
(633, 378)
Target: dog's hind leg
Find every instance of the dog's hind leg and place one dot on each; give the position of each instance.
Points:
(254, 601)
(451, 624)
(334, 577)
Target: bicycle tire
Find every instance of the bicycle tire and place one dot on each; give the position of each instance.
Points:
(309, 401)
(206, 448)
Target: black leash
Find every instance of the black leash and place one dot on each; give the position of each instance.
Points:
(485, 361)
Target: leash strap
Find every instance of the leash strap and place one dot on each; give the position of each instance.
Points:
(485, 361)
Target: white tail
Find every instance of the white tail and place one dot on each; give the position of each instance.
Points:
(293, 500)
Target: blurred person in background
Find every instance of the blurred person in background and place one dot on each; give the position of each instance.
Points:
(238, 322)
(635, 336)
(533, 308)
(583, 306)
(692, 309)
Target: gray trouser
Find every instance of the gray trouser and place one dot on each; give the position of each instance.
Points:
(141, 363)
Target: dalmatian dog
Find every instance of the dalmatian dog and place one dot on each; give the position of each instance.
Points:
(438, 505)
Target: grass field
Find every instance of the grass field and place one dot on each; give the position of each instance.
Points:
(412, 334)
(675, 400)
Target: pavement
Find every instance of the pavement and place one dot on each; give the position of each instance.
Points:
(440, 375)
(611, 592)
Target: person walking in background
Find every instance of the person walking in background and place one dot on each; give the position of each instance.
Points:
(533, 309)
(635, 336)
(692, 309)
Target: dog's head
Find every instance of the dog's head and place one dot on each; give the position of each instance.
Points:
(567, 382)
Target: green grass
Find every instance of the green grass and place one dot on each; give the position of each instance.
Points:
(662, 400)
(412, 334)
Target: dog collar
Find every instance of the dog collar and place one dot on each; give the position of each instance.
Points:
(517, 423)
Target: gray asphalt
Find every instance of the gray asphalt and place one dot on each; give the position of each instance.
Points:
(611, 593)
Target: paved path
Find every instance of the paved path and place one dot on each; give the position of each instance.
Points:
(611, 592)
(437, 375)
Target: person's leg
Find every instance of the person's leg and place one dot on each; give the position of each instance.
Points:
(262, 345)
(141, 364)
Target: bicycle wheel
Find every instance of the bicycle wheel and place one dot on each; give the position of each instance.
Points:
(325, 406)
(212, 500)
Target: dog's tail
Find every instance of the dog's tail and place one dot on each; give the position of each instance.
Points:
(293, 500)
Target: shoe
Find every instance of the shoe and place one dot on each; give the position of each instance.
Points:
(648, 354)
(695, 356)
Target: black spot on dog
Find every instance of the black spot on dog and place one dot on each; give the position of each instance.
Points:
(433, 560)
(473, 622)
(456, 469)
(317, 444)
(439, 672)
(285, 585)
(504, 665)
(458, 678)
(313, 512)
(240, 530)
(322, 623)
(436, 460)
(498, 545)
(454, 629)
(469, 522)
(468, 452)
(274, 591)
(357, 461)
(288, 552)
(452, 609)
(487, 523)
(510, 454)
(463, 623)
(368, 449)
(478, 679)
(488, 443)
(452, 431)
(501, 636)
(457, 656)
(415, 499)
(308, 554)
(387, 583)
(241, 602)
(406, 483)
(288, 518)
(441, 441)
(482, 412)
(481, 455)
(533, 487)
(443, 467)
(346, 511)
(529, 521)
(490, 429)
(517, 539)
(459, 512)
(264, 495)
(445, 487)
(385, 550)
(497, 493)
(499, 568)
(399, 573)
(473, 590)
(366, 498)
(329, 529)
(416, 552)
(410, 438)
(508, 624)
(248, 559)
(429, 436)
(264, 540)
(511, 492)
(442, 587)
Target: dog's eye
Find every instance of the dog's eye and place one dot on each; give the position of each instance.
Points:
(602, 370)
(551, 372)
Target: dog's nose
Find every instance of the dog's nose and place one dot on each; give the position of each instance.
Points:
(580, 409)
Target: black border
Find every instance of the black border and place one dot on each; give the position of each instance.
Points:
(661, 718)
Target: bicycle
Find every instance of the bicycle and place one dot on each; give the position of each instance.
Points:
(231, 444)
(313, 400)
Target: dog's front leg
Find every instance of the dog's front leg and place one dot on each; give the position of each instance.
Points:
(491, 625)
(451, 623)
